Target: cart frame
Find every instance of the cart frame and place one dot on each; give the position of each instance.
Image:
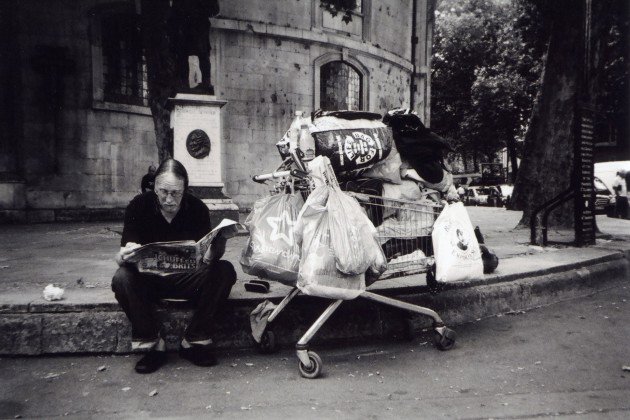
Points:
(416, 227)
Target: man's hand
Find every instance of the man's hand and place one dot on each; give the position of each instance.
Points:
(216, 250)
(125, 251)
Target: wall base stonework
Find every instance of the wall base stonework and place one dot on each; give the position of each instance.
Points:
(61, 215)
(12, 216)
(85, 327)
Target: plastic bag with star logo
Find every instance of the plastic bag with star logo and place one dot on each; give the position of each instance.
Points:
(272, 251)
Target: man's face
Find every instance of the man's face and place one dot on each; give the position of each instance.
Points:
(169, 190)
(461, 238)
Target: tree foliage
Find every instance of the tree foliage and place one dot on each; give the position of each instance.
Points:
(346, 7)
(486, 65)
(614, 102)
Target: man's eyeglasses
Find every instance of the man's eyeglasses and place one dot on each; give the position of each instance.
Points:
(164, 193)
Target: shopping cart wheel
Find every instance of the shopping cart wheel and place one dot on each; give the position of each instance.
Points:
(315, 369)
(444, 338)
(268, 343)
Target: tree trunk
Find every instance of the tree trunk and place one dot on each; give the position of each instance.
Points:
(547, 165)
(161, 70)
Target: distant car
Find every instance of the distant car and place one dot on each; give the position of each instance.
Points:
(604, 198)
(606, 171)
(483, 196)
(506, 192)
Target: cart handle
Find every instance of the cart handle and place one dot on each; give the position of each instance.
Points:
(279, 174)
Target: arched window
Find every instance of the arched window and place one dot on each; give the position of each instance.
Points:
(340, 87)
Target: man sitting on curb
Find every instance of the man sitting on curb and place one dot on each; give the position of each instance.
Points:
(170, 213)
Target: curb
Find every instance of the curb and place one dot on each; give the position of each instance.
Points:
(46, 328)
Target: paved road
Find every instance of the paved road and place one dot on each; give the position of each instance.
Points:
(563, 360)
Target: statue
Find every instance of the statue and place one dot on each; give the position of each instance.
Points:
(191, 38)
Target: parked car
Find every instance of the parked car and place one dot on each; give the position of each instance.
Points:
(604, 198)
(483, 196)
(606, 171)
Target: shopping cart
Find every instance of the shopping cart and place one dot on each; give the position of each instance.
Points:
(404, 233)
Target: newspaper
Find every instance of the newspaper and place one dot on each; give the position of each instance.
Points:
(164, 258)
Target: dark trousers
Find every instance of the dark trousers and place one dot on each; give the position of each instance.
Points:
(622, 207)
(207, 288)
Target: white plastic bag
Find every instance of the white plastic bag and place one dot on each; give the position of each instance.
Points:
(322, 172)
(272, 250)
(457, 254)
(388, 169)
(352, 234)
(52, 292)
(442, 186)
(318, 274)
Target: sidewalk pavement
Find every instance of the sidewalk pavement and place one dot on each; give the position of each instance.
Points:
(79, 258)
(565, 361)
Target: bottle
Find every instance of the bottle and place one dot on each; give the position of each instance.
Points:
(294, 131)
(306, 141)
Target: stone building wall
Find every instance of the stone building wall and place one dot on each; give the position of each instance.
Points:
(268, 57)
(78, 157)
(265, 80)
(265, 58)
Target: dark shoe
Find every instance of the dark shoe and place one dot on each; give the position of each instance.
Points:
(257, 286)
(151, 361)
(199, 355)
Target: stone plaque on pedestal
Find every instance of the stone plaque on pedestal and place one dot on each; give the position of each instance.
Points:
(196, 123)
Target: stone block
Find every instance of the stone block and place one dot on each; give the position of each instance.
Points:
(240, 135)
(49, 199)
(40, 216)
(12, 216)
(249, 80)
(12, 304)
(89, 215)
(118, 120)
(111, 136)
(96, 123)
(123, 335)
(248, 95)
(96, 166)
(20, 334)
(237, 108)
(12, 195)
(81, 332)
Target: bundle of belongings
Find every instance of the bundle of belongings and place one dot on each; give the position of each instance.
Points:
(392, 158)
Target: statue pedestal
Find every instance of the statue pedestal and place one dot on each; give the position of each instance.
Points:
(196, 123)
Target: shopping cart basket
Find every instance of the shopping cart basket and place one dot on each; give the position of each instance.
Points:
(404, 233)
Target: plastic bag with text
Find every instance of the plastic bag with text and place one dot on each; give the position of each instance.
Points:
(457, 254)
(272, 250)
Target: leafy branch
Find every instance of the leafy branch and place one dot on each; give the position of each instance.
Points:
(334, 7)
